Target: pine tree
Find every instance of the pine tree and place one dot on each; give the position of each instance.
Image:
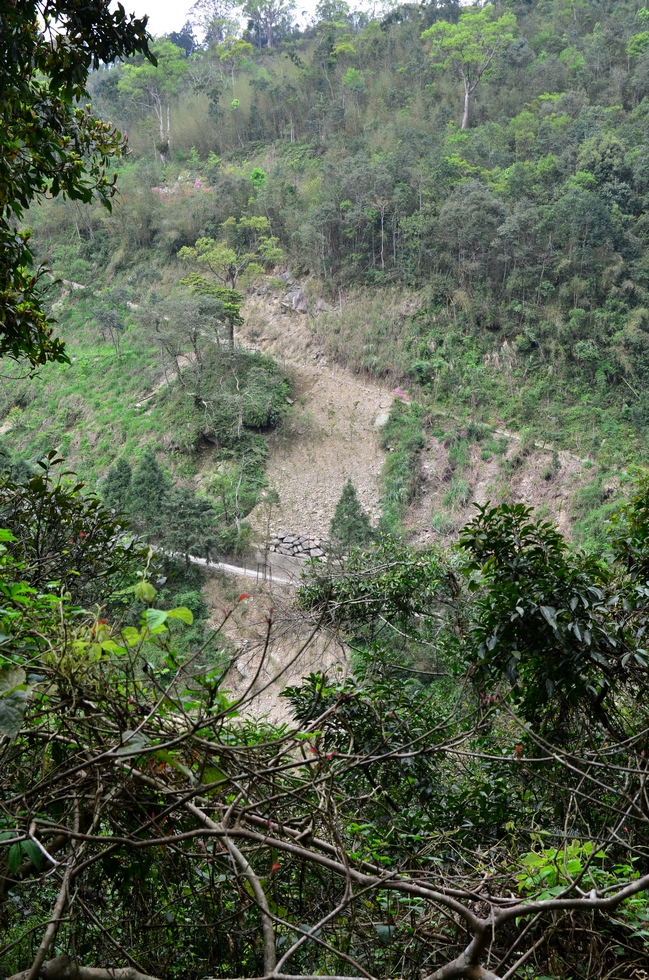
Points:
(188, 522)
(147, 495)
(116, 485)
(350, 526)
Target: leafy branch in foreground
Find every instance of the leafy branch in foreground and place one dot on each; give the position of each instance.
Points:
(49, 142)
(392, 828)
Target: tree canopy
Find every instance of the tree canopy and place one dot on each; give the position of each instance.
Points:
(470, 46)
(50, 143)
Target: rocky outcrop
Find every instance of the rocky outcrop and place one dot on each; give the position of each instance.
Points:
(297, 545)
(296, 301)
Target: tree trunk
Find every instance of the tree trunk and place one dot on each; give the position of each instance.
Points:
(467, 95)
(63, 968)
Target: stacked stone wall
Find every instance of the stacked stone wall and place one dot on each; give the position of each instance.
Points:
(297, 545)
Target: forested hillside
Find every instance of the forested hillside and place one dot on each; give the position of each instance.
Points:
(495, 268)
(522, 234)
(409, 246)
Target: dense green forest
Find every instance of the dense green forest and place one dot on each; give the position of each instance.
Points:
(459, 192)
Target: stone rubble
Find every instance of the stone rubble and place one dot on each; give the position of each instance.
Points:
(297, 545)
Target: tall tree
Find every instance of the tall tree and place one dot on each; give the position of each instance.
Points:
(154, 87)
(234, 53)
(241, 254)
(266, 15)
(188, 523)
(238, 258)
(184, 38)
(116, 485)
(214, 18)
(50, 142)
(470, 46)
(110, 322)
(147, 494)
(186, 326)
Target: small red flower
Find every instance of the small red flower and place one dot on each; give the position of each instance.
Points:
(244, 595)
(275, 867)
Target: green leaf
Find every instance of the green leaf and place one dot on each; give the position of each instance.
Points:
(549, 614)
(144, 591)
(212, 775)
(33, 852)
(15, 854)
(13, 700)
(155, 618)
(182, 612)
(111, 647)
(131, 636)
(385, 933)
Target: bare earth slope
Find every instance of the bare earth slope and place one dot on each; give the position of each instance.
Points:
(331, 431)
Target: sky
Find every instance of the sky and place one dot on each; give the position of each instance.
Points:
(164, 15)
(170, 15)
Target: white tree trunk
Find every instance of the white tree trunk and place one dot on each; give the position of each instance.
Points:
(467, 96)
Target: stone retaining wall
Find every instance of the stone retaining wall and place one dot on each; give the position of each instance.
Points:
(297, 545)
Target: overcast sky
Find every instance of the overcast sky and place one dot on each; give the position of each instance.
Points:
(164, 15)
(170, 15)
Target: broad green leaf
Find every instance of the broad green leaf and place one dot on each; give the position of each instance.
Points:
(212, 775)
(533, 860)
(33, 853)
(171, 758)
(385, 932)
(131, 636)
(13, 700)
(144, 591)
(111, 647)
(549, 614)
(155, 618)
(15, 855)
(181, 613)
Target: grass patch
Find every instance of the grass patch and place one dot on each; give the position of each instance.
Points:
(403, 439)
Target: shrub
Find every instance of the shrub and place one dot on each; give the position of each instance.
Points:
(350, 526)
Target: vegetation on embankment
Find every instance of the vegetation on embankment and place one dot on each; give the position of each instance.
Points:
(498, 270)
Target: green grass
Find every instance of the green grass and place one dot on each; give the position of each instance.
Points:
(403, 439)
(93, 410)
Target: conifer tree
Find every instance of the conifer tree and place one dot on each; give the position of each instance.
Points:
(147, 494)
(188, 522)
(116, 485)
(350, 526)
